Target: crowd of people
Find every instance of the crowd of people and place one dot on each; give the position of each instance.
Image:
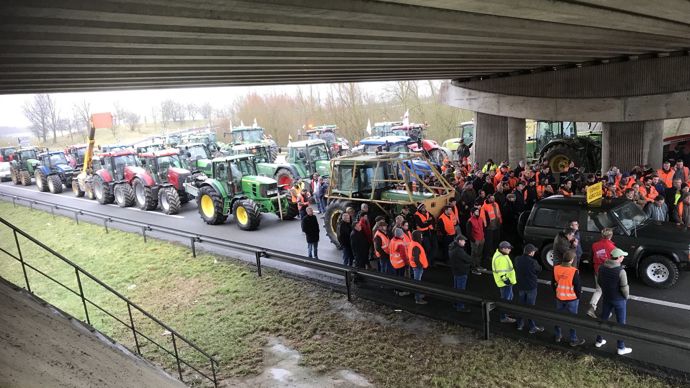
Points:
(477, 229)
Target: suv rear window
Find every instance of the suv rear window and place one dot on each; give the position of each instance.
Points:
(554, 218)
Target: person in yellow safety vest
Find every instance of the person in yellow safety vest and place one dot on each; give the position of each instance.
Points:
(566, 281)
(398, 256)
(504, 275)
(446, 231)
(382, 247)
(418, 262)
(424, 223)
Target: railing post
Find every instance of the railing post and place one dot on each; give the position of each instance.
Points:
(193, 241)
(81, 293)
(258, 262)
(143, 233)
(76, 217)
(347, 286)
(21, 259)
(52, 211)
(486, 318)
(177, 357)
(134, 331)
(14, 203)
(105, 225)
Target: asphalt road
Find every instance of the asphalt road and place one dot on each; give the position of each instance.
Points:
(662, 310)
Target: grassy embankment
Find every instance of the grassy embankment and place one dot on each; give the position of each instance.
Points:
(122, 135)
(226, 309)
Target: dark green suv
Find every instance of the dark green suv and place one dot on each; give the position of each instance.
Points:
(657, 251)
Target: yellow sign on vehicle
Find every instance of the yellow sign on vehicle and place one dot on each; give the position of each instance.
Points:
(595, 192)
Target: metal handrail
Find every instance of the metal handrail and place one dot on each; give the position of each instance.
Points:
(80, 271)
(447, 293)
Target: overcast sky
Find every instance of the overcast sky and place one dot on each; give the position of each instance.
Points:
(142, 101)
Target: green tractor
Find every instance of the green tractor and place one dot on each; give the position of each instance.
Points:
(196, 157)
(208, 138)
(254, 134)
(385, 181)
(285, 174)
(234, 187)
(560, 142)
(23, 165)
(309, 157)
(466, 132)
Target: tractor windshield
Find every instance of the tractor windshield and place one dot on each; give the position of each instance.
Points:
(328, 137)
(260, 154)
(246, 166)
(248, 136)
(28, 154)
(318, 152)
(56, 159)
(361, 179)
(80, 151)
(165, 162)
(395, 147)
(198, 152)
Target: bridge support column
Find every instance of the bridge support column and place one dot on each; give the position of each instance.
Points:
(499, 138)
(629, 144)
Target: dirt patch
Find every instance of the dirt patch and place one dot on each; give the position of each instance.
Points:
(282, 369)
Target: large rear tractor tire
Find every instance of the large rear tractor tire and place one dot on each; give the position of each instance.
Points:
(334, 211)
(247, 214)
(41, 181)
(14, 176)
(124, 195)
(102, 191)
(76, 189)
(25, 178)
(55, 184)
(88, 190)
(210, 205)
(169, 200)
(284, 178)
(272, 153)
(559, 158)
(144, 196)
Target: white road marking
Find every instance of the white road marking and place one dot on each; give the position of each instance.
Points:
(637, 298)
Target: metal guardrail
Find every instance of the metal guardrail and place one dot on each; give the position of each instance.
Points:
(440, 292)
(79, 272)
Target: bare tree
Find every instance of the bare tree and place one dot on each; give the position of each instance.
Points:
(82, 115)
(120, 114)
(206, 111)
(43, 115)
(172, 110)
(192, 111)
(132, 120)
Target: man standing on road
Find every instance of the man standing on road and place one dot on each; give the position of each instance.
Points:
(504, 275)
(344, 232)
(475, 231)
(527, 269)
(425, 223)
(360, 246)
(416, 258)
(491, 216)
(601, 251)
(381, 247)
(615, 292)
(568, 289)
(575, 226)
(460, 264)
(310, 227)
(446, 231)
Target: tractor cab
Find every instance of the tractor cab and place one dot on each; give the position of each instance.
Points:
(26, 159)
(6, 153)
(230, 171)
(258, 150)
(75, 155)
(115, 163)
(391, 143)
(384, 128)
(206, 138)
(547, 131)
(150, 148)
(173, 140)
(309, 157)
(242, 135)
(336, 145)
(196, 157)
(164, 165)
(53, 171)
(53, 159)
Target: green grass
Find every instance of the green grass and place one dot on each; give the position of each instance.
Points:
(227, 310)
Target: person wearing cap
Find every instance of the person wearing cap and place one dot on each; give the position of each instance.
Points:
(424, 223)
(527, 270)
(657, 210)
(460, 264)
(446, 231)
(504, 275)
(568, 287)
(615, 293)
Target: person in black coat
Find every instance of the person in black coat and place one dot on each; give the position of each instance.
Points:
(360, 246)
(527, 270)
(460, 264)
(310, 227)
(344, 231)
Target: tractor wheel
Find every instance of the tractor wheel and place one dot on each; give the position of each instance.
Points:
(331, 219)
(88, 190)
(15, 177)
(41, 181)
(559, 158)
(247, 214)
(290, 213)
(25, 178)
(55, 184)
(210, 205)
(144, 195)
(272, 153)
(102, 191)
(284, 178)
(76, 189)
(124, 195)
(169, 200)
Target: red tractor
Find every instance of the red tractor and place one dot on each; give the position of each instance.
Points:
(117, 178)
(166, 169)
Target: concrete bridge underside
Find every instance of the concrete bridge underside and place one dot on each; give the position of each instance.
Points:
(74, 45)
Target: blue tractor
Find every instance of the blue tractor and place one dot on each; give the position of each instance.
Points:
(399, 144)
(53, 171)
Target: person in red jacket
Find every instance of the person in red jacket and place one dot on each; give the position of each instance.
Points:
(601, 251)
(475, 232)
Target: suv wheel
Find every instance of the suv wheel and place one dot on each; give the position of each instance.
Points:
(547, 257)
(659, 272)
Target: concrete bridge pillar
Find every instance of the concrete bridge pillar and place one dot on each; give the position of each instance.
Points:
(629, 144)
(499, 138)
